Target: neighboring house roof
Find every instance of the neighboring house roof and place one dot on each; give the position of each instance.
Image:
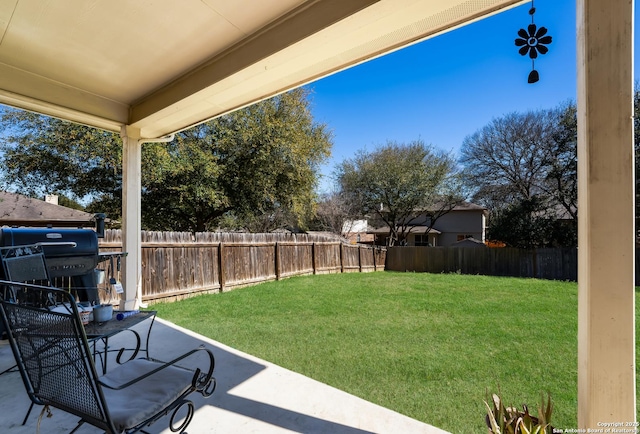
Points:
(468, 206)
(19, 210)
(462, 206)
(469, 242)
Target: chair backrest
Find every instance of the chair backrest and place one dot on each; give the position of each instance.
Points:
(53, 355)
(24, 263)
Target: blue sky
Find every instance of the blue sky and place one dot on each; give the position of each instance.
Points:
(446, 88)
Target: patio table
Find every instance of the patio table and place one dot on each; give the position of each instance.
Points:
(98, 335)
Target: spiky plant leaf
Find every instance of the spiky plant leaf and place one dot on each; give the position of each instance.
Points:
(495, 428)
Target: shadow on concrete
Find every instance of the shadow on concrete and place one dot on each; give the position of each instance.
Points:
(234, 370)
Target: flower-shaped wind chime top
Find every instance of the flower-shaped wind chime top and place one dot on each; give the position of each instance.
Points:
(532, 41)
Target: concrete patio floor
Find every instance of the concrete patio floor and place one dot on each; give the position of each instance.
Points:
(252, 396)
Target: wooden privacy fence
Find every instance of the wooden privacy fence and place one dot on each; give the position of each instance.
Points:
(178, 264)
(551, 263)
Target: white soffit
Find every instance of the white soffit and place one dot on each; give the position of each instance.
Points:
(164, 65)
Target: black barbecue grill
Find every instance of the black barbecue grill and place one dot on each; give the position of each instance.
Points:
(69, 253)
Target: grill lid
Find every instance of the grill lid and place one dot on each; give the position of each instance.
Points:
(68, 252)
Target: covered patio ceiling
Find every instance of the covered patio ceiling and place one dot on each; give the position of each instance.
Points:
(149, 68)
(164, 65)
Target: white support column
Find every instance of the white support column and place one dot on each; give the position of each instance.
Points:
(131, 217)
(606, 299)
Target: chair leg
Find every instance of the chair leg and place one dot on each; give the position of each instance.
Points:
(28, 413)
(80, 423)
(14, 368)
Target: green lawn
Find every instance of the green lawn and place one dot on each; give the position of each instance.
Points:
(426, 345)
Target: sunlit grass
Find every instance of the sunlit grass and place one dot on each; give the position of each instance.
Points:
(425, 345)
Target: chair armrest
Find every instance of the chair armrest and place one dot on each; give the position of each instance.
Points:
(199, 382)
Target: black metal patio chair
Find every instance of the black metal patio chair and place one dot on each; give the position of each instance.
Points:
(58, 370)
(22, 264)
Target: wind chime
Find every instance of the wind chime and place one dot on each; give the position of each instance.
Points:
(533, 41)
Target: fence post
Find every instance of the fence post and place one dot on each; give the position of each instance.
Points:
(341, 258)
(220, 267)
(375, 262)
(313, 257)
(277, 261)
(360, 258)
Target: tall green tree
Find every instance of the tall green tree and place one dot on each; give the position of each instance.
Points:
(254, 169)
(527, 224)
(399, 182)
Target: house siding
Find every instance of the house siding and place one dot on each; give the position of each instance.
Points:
(460, 223)
(465, 221)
